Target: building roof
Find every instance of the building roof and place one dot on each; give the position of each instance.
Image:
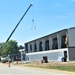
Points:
(48, 35)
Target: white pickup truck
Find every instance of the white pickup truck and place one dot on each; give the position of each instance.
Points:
(4, 59)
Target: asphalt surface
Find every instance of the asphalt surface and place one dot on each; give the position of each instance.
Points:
(20, 70)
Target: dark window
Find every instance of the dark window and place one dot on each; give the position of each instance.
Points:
(63, 45)
(47, 45)
(40, 46)
(35, 48)
(26, 48)
(55, 43)
(65, 54)
(45, 59)
(31, 48)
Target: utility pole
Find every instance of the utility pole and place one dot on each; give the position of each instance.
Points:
(18, 23)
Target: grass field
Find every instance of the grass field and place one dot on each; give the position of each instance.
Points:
(64, 66)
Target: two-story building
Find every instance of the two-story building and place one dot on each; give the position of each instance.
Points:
(53, 46)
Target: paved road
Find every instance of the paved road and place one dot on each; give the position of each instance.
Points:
(20, 70)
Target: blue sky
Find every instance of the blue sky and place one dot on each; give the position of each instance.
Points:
(49, 16)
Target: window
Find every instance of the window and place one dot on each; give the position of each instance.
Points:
(65, 54)
(47, 45)
(35, 48)
(63, 45)
(31, 48)
(55, 43)
(40, 46)
(26, 47)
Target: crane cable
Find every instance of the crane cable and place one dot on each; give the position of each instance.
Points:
(33, 20)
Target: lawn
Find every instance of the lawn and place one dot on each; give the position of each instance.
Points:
(64, 66)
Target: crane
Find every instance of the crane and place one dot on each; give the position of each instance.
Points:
(18, 23)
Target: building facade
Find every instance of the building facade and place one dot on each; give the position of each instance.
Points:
(53, 46)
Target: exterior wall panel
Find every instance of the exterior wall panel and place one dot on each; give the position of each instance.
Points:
(71, 35)
(71, 54)
(51, 55)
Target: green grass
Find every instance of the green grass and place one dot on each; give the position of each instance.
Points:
(67, 66)
(63, 68)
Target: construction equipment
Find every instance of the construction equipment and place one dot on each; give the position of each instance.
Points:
(18, 23)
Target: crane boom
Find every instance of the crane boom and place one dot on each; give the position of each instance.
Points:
(18, 23)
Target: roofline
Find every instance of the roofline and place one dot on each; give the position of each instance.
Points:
(47, 35)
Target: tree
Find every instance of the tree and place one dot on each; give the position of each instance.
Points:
(1, 45)
(9, 48)
(20, 47)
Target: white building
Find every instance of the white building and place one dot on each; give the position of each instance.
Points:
(53, 46)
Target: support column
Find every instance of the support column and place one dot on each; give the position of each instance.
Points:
(59, 41)
(37, 44)
(67, 40)
(50, 43)
(32, 47)
(43, 44)
(28, 48)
